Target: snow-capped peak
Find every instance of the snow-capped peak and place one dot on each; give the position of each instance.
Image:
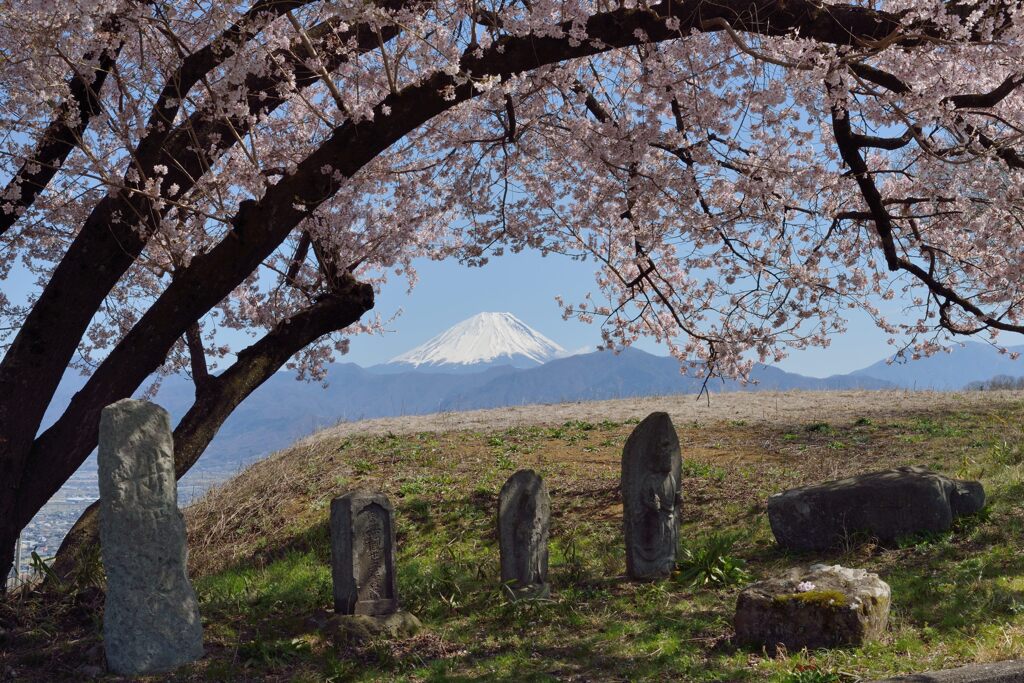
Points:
(485, 338)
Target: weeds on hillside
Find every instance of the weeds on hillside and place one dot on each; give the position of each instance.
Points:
(261, 559)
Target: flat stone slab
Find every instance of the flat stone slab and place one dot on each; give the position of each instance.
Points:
(813, 607)
(886, 506)
(996, 672)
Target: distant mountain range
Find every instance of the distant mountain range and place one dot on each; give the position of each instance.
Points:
(493, 360)
(948, 371)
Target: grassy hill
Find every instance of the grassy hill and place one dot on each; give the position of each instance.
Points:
(260, 552)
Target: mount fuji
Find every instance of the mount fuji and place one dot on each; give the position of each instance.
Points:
(477, 343)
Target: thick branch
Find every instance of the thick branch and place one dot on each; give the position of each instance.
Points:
(197, 357)
(60, 137)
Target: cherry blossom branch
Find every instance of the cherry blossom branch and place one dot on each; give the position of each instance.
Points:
(60, 137)
(118, 228)
(883, 223)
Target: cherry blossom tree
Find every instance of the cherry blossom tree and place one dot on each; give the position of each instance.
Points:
(741, 173)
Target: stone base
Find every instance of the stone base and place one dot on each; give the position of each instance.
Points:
(357, 628)
(819, 606)
(538, 591)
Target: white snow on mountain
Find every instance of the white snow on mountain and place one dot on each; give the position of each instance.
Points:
(486, 338)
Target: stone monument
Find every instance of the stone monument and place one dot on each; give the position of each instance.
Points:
(151, 617)
(524, 517)
(651, 500)
(363, 554)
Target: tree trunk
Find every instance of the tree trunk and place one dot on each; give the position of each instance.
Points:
(9, 534)
(218, 396)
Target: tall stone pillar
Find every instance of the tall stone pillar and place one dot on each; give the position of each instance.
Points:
(524, 517)
(651, 499)
(151, 617)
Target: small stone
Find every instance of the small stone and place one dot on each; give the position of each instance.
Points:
(363, 554)
(846, 607)
(885, 505)
(524, 517)
(358, 628)
(151, 616)
(651, 500)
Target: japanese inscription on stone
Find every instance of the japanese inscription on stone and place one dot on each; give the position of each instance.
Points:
(363, 554)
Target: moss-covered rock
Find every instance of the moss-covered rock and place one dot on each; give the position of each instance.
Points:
(356, 628)
(813, 607)
(823, 599)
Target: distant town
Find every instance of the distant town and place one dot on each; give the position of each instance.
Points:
(44, 533)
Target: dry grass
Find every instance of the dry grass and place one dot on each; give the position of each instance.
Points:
(780, 408)
(748, 438)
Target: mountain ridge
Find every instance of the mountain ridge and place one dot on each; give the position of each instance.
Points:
(283, 409)
(949, 371)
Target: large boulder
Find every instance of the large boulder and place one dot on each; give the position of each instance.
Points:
(814, 607)
(885, 505)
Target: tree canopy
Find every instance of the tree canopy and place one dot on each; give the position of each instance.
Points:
(741, 172)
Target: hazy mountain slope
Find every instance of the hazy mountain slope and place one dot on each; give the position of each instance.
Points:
(603, 375)
(947, 371)
(284, 409)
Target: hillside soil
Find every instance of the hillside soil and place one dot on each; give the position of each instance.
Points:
(260, 556)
